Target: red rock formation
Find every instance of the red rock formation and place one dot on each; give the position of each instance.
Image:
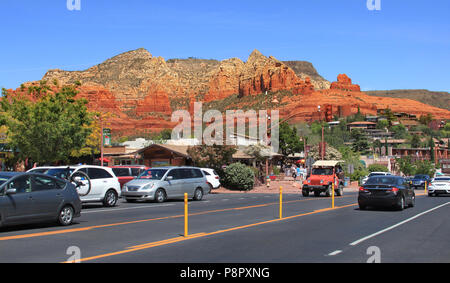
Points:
(140, 89)
(344, 83)
(155, 102)
(262, 74)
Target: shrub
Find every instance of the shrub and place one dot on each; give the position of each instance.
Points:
(377, 168)
(239, 177)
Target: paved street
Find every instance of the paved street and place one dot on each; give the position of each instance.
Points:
(240, 228)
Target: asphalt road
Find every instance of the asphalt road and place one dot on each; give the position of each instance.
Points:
(240, 228)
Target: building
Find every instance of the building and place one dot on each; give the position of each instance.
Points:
(445, 166)
(364, 125)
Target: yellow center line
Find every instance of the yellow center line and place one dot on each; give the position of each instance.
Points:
(64, 231)
(180, 239)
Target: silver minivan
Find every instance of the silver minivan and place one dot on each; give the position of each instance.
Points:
(163, 183)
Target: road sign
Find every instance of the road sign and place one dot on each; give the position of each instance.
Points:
(106, 137)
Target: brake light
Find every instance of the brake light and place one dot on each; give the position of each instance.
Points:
(394, 190)
(362, 189)
(217, 177)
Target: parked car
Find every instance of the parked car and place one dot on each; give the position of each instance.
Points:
(387, 191)
(32, 197)
(161, 184)
(212, 178)
(104, 185)
(375, 174)
(419, 181)
(41, 169)
(439, 186)
(126, 173)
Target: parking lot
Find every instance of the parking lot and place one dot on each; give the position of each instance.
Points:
(238, 227)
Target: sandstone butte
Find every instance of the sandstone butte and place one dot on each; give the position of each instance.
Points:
(143, 91)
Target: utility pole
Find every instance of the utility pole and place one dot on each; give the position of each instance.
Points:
(102, 141)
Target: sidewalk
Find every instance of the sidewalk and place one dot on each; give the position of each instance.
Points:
(289, 187)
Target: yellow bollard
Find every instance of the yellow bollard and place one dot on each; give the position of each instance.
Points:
(425, 187)
(281, 202)
(185, 214)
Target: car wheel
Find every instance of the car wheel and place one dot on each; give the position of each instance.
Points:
(160, 196)
(210, 187)
(110, 199)
(401, 204)
(340, 191)
(65, 216)
(362, 207)
(305, 193)
(316, 193)
(328, 192)
(430, 194)
(198, 194)
(413, 201)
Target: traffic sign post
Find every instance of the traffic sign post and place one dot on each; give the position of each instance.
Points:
(106, 137)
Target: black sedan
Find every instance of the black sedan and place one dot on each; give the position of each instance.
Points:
(386, 191)
(33, 197)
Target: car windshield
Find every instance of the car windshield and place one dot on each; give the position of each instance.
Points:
(59, 172)
(153, 174)
(376, 174)
(385, 180)
(420, 177)
(322, 171)
(4, 178)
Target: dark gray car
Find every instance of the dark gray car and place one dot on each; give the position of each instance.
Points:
(32, 197)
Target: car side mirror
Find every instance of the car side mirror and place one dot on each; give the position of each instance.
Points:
(11, 191)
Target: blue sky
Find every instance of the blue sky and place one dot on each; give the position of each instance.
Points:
(405, 45)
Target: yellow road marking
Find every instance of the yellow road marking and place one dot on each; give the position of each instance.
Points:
(180, 239)
(64, 231)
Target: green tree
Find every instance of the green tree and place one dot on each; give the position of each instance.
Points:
(382, 124)
(415, 141)
(377, 168)
(390, 116)
(406, 166)
(431, 145)
(360, 142)
(214, 156)
(289, 141)
(399, 131)
(425, 167)
(426, 119)
(446, 131)
(44, 126)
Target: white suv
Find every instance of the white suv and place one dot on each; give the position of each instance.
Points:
(375, 174)
(212, 178)
(105, 186)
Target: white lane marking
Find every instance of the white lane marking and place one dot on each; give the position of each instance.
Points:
(396, 225)
(128, 208)
(335, 253)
